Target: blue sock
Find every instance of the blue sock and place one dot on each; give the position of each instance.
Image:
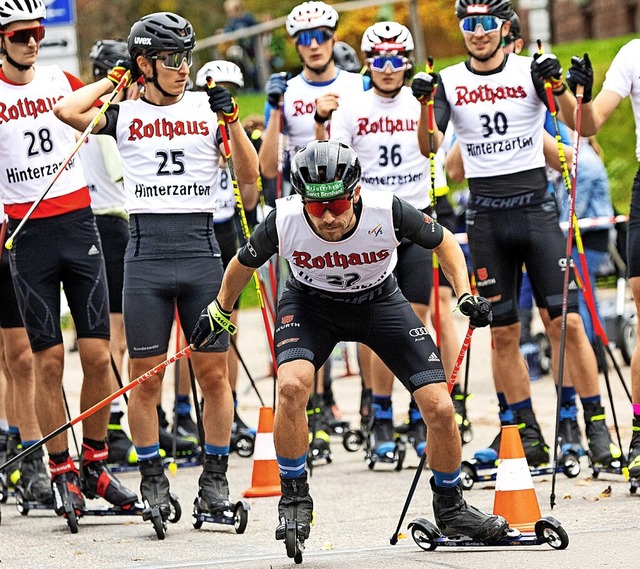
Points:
(446, 479)
(505, 414)
(568, 396)
(215, 450)
(590, 401)
(521, 405)
(13, 430)
(147, 453)
(292, 467)
(382, 408)
(27, 444)
(184, 406)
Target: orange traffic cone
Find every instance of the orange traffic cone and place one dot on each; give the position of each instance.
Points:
(515, 497)
(265, 480)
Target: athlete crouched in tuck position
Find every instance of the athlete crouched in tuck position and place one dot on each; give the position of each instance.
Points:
(170, 155)
(341, 245)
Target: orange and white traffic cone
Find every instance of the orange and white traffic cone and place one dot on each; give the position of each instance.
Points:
(265, 480)
(515, 497)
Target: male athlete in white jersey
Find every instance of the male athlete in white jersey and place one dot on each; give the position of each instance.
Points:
(340, 242)
(59, 244)
(167, 140)
(622, 81)
(497, 104)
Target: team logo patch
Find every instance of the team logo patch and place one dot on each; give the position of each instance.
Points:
(434, 357)
(483, 274)
(286, 319)
(286, 341)
(427, 219)
(376, 231)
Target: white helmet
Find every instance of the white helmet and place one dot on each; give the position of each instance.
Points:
(221, 72)
(311, 15)
(386, 37)
(21, 10)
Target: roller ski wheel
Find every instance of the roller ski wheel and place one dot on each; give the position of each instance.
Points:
(466, 432)
(319, 450)
(569, 463)
(352, 440)
(176, 510)
(544, 348)
(468, 475)
(153, 514)
(243, 443)
(634, 484)
(294, 546)
(72, 520)
(628, 338)
(549, 530)
(238, 517)
(4, 489)
(22, 504)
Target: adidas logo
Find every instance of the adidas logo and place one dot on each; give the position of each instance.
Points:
(433, 357)
(94, 250)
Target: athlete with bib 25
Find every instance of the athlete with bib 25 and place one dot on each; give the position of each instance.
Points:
(497, 104)
(167, 140)
(340, 242)
(59, 244)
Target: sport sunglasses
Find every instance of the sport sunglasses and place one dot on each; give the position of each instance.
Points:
(25, 34)
(380, 62)
(488, 24)
(336, 207)
(174, 60)
(305, 38)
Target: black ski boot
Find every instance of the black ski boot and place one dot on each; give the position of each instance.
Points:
(417, 435)
(602, 450)
(295, 512)
(34, 482)
(536, 450)
(186, 447)
(454, 517)
(121, 449)
(65, 482)
(213, 495)
(569, 435)
(319, 440)
(382, 437)
(634, 450)
(96, 479)
(154, 489)
(14, 447)
(459, 406)
(4, 436)
(187, 427)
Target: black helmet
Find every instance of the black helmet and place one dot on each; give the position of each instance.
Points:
(346, 57)
(499, 8)
(515, 32)
(321, 162)
(105, 54)
(162, 31)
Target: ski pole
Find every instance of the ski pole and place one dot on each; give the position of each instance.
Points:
(97, 407)
(246, 370)
(87, 131)
(423, 459)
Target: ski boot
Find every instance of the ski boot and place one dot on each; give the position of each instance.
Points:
(454, 517)
(187, 427)
(634, 457)
(12, 474)
(416, 433)
(186, 448)
(333, 417)
(157, 499)
(570, 439)
(34, 485)
(460, 407)
(213, 503)
(319, 447)
(536, 450)
(383, 446)
(295, 512)
(4, 485)
(531, 353)
(68, 501)
(122, 453)
(243, 438)
(603, 453)
(96, 479)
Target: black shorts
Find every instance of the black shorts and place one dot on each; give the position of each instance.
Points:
(502, 240)
(309, 327)
(114, 234)
(62, 249)
(414, 272)
(9, 311)
(153, 287)
(633, 234)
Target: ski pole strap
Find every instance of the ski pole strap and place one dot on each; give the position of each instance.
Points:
(220, 316)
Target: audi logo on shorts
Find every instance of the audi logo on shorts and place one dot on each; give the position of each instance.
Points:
(417, 332)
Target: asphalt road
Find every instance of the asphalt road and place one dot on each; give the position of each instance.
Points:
(356, 509)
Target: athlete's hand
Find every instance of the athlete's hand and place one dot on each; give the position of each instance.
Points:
(477, 308)
(325, 106)
(581, 73)
(116, 73)
(547, 67)
(423, 86)
(221, 101)
(213, 321)
(276, 86)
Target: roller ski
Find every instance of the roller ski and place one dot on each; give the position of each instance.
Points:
(159, 505)
(213, 504)
(353, 439)
(32, 484)
(243, 438)
(382, 446)
(319, 440)
(634, 458)
(68, 499)
(603, 454)
(295, 512)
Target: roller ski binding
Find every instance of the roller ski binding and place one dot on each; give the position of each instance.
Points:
(159, 505)
(634, 458)
(604, 455)
(383, 446)
(243, 438)
(68, 499)
(295, 512)
(213, 503)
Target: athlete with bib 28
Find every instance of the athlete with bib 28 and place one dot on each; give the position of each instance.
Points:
(340, 242)
(167, 140)
(497, 104)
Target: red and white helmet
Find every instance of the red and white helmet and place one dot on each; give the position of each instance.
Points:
(387, 37)
(21, 10)
(221, 72)
(311, 15)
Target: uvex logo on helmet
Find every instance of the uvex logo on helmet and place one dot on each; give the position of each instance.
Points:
(142, 41)
(478, 9)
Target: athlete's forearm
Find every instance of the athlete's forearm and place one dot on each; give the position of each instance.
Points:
(235, 279)
(77, 109)
(269, 150)
(245, 157)
(424, 139)
(451, 259)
